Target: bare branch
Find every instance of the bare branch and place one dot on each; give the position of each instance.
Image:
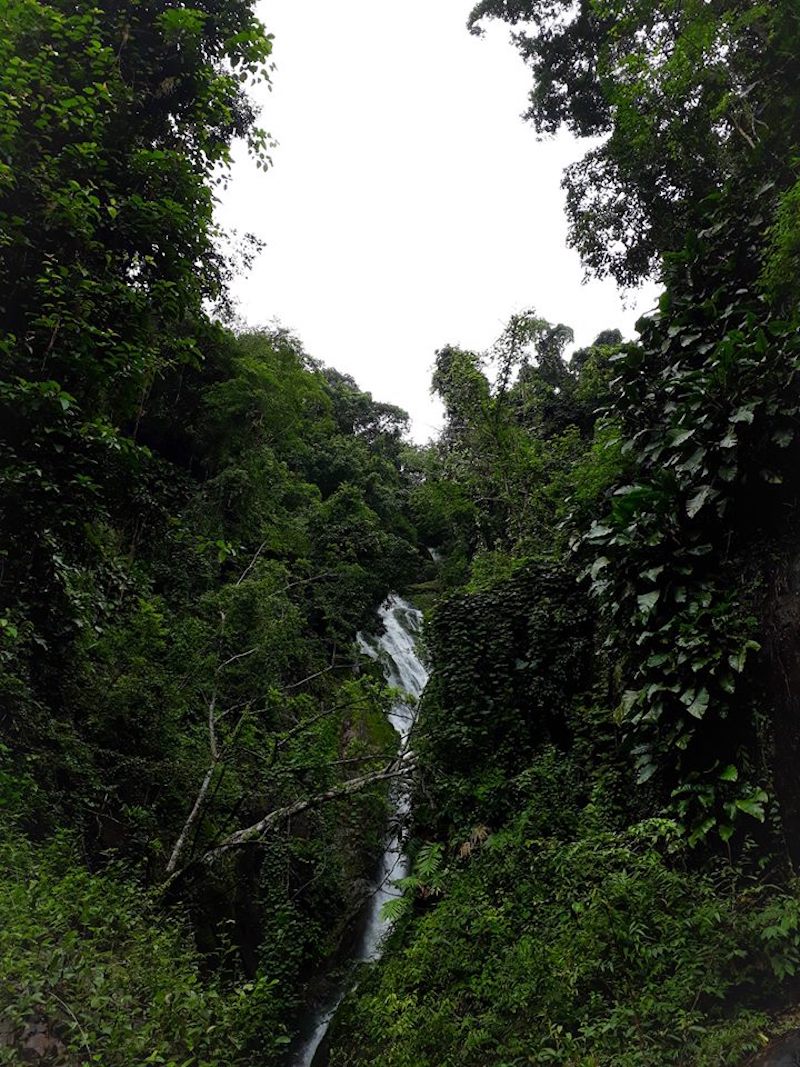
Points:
(232, 659)
(253, 834)
(306, 724)
(305, 581)
(212, 727)
(252, 563)
(193, 817)
(317, 674)
(743, 133)
(302, 768)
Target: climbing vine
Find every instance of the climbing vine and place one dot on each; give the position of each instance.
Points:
(709, 405)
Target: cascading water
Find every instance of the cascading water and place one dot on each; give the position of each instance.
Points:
(395, 650)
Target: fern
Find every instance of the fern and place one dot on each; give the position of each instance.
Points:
(425, 880)
(394, 909)
(428, 863)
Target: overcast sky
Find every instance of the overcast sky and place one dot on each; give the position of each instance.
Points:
(409, 206)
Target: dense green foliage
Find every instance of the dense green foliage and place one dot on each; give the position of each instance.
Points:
(92, 974)
(195, 523)
(694, 97)
(565, 938)
(213, 683)
(506, 662)
(606, 805)
(194, 526)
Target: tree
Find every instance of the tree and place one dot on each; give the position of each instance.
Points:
(117, 121)
(516, 416)
(686, 96)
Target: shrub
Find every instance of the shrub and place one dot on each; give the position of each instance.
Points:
(604, 950)
(91, 973)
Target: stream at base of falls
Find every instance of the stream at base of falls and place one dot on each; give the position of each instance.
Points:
(395, 649)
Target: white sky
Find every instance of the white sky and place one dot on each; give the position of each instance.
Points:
(409, 206)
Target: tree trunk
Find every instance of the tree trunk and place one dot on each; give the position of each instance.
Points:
(782, 631)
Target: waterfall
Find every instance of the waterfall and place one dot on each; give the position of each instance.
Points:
(395, 649)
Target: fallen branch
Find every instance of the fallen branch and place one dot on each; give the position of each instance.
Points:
(255, 833)
(263, 826)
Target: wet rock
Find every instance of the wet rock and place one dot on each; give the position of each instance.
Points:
(785, 1052)
(35, 1040)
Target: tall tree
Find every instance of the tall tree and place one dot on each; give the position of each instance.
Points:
(116, 123)
(686, 95)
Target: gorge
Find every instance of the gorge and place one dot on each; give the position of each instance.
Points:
(276, 677)
(394, 649)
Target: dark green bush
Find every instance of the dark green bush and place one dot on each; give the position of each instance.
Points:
(91, 972)
(601, 951)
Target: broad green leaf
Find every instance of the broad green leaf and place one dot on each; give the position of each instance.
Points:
(681, 436)
(751, 807)
(698, 706)
(743, 414)
(598, 565)
(647, 601)
(697, 501)
(701, 830)
(783, 438)
(646, 773)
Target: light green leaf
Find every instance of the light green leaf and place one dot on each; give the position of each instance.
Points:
(598, 565)
(699, 705)
(751, 807)
(701, 830)
(783, 438)
(681, 436)
(698, 500)
(647, 601)
(743, 414)
(772, 477)
(598, 530)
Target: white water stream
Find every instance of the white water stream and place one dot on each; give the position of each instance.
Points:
(395, 650)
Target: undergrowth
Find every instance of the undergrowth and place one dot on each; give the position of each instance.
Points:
(607, 947)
